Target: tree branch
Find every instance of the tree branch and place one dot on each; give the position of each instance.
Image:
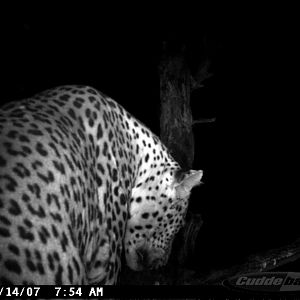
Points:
(257, 263)
(204, 120)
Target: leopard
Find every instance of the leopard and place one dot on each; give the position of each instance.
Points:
(84, 183)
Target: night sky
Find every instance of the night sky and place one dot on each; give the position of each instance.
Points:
(248, 201)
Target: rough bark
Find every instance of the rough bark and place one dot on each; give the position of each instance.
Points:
(176, 116)
(176, 130)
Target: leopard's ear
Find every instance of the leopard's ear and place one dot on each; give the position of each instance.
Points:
(185, 181)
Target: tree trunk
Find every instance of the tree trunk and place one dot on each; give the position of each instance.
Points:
(176, 130)
(176, 116)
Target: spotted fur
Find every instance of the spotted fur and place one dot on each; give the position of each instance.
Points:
(81, 180)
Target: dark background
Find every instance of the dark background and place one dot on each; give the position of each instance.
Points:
(249, 155)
